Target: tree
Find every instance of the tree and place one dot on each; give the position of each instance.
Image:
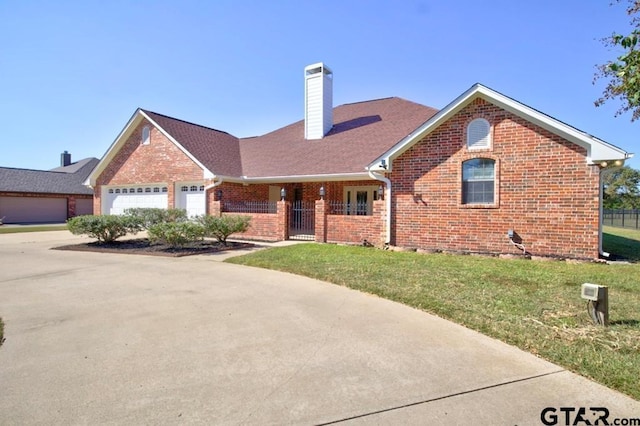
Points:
(624, 72)
(622, 189)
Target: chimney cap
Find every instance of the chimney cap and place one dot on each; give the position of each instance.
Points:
(317, 68)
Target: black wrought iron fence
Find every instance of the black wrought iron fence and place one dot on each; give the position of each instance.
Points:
(622, 218)
(249, 206)
(357, 209)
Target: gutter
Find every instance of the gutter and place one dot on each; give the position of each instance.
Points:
(387, 200)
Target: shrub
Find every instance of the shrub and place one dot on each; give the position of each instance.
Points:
(105, 228)
(220, 227)
(176, 234)
(154, 216)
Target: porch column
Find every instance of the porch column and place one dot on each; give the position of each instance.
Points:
(379, 213)
(215, 208)
(282, 231)
(321, 221)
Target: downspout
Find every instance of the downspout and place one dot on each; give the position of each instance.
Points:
(208, 187)
(387, 201)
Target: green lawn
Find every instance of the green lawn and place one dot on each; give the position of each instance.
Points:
(533, 305)
(622, 242)
(15, 229)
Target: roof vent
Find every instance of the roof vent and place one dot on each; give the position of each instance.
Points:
(65, 159)
(318, 101)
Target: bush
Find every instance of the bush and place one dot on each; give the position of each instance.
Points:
(220, 227)
(176, 234)
(105, 228)
(154, 216)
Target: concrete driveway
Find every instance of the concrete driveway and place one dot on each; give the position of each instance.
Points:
(120, 339)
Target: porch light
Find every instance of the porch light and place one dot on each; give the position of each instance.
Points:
(283, 193)
(380, 192)
(322, 192)
(383, 163)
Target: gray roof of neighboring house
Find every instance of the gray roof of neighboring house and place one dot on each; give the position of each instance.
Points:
(61, 180)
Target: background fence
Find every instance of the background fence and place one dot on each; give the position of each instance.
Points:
(622, 218)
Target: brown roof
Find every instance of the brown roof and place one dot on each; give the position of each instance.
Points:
(361, 132)
(218, 151)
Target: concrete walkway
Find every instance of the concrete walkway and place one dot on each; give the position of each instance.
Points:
(97, 338)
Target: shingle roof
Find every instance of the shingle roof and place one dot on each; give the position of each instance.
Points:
(361, 132)
(218, 151)
(61, 180)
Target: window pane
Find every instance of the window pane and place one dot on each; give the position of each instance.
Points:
(478, 177)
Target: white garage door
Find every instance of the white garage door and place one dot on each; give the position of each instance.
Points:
(191, 198)
(117, 200)
(33, 209)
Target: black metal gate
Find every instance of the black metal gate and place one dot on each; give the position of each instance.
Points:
(302, 220)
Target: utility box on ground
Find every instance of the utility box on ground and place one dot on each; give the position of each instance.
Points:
(597, 297)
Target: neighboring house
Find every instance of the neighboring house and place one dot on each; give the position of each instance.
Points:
(484, 174)
(40, 196)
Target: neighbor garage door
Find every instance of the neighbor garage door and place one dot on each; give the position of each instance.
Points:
(84, 206)
(117, 200)
(33, 209)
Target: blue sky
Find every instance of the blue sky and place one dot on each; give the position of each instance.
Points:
(73, 72)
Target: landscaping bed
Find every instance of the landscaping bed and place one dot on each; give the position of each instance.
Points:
(145, 247)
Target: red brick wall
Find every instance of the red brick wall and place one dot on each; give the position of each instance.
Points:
(160, 161)
(545, 191)
(263, 226)
(355, 229)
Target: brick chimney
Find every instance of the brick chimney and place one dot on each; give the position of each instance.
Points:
(65, 159)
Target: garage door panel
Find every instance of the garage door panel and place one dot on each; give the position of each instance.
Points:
(84, 206)
(33, 209)
(191, 198)
(118, 202)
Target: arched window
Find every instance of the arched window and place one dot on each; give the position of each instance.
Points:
(478, 181)
(479, 134)
(146, 135)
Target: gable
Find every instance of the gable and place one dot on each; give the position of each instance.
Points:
(131, 131)
(159, 160)
(596, 150)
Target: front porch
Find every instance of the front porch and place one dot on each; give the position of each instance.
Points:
(354, 213)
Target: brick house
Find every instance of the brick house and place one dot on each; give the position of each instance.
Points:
(46, 196)
(484, 174)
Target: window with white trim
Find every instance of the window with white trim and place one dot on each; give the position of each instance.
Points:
(146, 135)
(479, 134)
(358, 200)
(478, 181)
